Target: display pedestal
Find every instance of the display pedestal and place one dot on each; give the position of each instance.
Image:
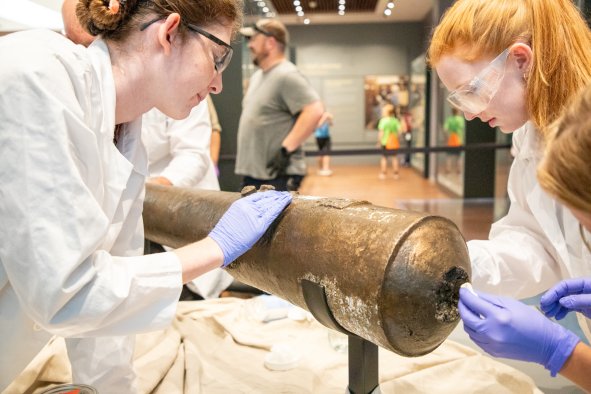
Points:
(363, 355)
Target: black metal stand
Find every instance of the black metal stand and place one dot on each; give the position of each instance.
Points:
(363, 355)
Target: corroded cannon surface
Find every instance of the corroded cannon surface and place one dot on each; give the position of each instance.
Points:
(391, 276)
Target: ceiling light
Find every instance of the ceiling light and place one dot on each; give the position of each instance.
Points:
(389, 6)
(307, 21)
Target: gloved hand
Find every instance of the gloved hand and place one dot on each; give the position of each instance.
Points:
(245, 222)
(504, 327)
(277, 166)
(566, 296)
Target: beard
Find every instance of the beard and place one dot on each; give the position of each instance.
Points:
(258, 58)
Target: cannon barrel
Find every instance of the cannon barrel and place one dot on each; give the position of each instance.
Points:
(390, 276)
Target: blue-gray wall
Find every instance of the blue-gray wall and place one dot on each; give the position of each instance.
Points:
(337, 58)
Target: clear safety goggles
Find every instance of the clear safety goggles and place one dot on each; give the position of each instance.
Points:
(477, 94)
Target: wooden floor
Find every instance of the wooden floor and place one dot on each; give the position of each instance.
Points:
(361, 182)
(411, 192)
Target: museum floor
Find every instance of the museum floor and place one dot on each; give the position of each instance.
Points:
(412, 192)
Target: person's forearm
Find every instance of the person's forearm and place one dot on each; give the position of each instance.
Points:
(578, 366)
(214, 147)
(304, 126)
(199, 257)
(160, 180)
(187, 167)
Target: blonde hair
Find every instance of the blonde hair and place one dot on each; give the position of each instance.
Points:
(565, 171)
(388, 110)
(554, 29)
(117, 23)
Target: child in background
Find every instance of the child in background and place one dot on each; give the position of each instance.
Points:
(389, 127)
(406, 119)
(322, 134)
(454, 128)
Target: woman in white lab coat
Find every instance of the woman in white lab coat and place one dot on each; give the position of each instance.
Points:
(73, 168)
(505, 327)
(515, 64)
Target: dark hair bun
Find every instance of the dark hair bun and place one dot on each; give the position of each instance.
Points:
(98, 16)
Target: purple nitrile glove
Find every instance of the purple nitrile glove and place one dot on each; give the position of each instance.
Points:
(504, 327)
(245, 222)
(567, 296)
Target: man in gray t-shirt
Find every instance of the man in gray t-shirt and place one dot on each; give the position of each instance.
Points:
(280, 111)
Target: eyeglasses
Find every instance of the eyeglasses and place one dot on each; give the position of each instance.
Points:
(221, 59)
(477, 94)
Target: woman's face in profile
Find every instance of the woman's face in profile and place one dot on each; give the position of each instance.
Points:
(507, 108)
(192, 74)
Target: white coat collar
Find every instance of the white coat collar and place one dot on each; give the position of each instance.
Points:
(101, 62)
(528, 142)
(127, 160)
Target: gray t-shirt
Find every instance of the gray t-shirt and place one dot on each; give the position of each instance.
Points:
(270, 107)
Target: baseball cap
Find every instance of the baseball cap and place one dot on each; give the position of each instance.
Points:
(269, 28)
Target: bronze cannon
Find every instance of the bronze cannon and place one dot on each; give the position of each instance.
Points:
(390, 276)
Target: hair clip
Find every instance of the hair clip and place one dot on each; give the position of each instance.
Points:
(114, 6)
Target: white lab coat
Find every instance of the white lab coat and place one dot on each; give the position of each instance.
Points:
(70, 205)
(538, 243)
(179, 151)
